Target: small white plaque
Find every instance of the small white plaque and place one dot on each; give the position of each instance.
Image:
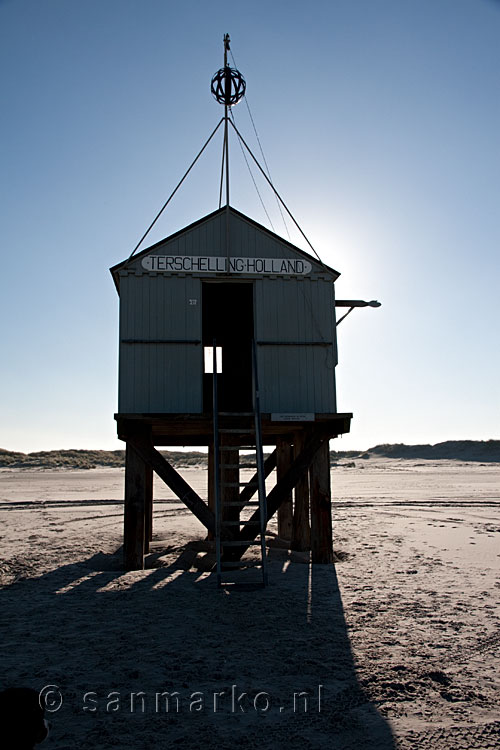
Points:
(302, 417)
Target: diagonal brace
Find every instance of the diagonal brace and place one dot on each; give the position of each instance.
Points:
(279, 493)
(173, 479)
(252, 486)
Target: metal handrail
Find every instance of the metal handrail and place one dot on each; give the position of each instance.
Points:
(215, 407)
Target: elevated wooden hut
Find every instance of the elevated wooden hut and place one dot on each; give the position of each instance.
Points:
(178, 298)
(228, 340)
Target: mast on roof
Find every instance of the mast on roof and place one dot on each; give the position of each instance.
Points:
(228, 86)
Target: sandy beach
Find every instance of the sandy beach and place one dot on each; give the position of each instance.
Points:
(396, 646)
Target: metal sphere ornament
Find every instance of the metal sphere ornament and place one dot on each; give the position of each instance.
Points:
(228, 86)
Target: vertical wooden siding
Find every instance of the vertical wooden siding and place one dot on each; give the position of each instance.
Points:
(300, 376)
(167, 377)
(161, 376)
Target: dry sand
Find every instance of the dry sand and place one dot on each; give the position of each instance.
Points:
(397, 646)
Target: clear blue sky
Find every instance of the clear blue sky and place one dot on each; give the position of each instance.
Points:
(380, 121)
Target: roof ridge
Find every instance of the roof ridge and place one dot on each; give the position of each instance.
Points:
(317, 263)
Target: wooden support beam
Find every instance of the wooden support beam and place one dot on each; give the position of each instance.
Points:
(251, 487)
(280, 492)
(173, 479)
(301, 530)
(134, 515)
(321, 507)
(284, 459)
(148, 510)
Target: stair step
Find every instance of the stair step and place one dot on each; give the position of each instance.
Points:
(239, 504)
(236, 430)
(230, 466)
(238, 484)
(237, 447)
(238, 466)
(236, 414)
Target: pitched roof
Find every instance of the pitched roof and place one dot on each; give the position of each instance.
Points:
(296, 250)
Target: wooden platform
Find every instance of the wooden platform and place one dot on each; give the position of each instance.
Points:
(194, 429)
(301, 496)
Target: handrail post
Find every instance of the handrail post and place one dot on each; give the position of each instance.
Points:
(260, 462)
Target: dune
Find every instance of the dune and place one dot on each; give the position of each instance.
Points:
(459, 450)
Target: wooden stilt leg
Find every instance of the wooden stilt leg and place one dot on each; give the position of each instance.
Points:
(321, 507)
(172, 478)
(301, 533)
(135, 504)
(284, 458)
(211, 485)
(148, 531)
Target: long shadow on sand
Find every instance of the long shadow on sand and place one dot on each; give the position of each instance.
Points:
(269, 668)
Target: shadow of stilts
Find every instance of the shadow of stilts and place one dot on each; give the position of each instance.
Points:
(269, 668)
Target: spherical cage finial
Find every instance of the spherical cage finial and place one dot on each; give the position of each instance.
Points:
(228, 86)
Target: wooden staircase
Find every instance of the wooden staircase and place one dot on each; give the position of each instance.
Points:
(238, 446)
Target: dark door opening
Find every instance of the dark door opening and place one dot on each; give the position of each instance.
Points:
(227, 312)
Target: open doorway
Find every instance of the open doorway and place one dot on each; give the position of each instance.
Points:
(227, 313)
